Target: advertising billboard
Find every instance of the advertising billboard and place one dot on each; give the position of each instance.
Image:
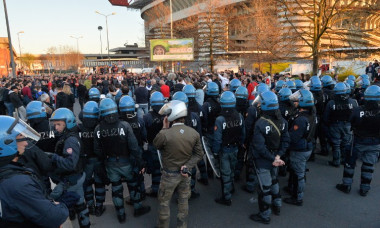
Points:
(172, 49)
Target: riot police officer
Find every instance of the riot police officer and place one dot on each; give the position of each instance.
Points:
(94, 168)
(271, 139)
(328, 86)
(117, 156)
(359, 94)
(229, 133)
(22, 195)
(153, 124)
(68, 162)
(299, 84)
(279, 85)
(337, 115)
(94, 95)
(365, 122)
(286, 106)
(301, 133)
(127, 108)
(234, 84)
(192, 120)
(291, 85)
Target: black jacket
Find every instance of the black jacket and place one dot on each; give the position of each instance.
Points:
(65, 101)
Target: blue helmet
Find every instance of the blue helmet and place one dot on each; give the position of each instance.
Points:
(299, 84)
(351, 83)
(35, 109)
(189, 90)
(107, 107)
(91, 110)
(306, 98)
(365, 83)
(268, 100)
(351, 77)
(241, 92)
(94, 93)
(280, 84)
(212, 89)
(348, 87)
(10, 128)
(157, 99)
(315, 83)
(340, 88)
(127, 104)
(227, 100)
(327, 80)
(260, 88)
(234, 84)
(181, 96)
(364, 76)
(284, 94)
(66, 115)
(291, 85)
(372, 93)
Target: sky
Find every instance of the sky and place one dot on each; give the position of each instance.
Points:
(50, 23)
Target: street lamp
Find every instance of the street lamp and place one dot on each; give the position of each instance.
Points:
(77, 38)
(108, 42)
(19, 45)
(100, 28)
(9, 41)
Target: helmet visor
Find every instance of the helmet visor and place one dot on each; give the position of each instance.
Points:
(257, 100)
(295, 96)
(306, 85)
(20, 127)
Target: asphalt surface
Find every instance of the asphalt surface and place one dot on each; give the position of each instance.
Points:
(324, 206)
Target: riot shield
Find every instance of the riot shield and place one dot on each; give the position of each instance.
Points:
(210, 156)
(160, 158)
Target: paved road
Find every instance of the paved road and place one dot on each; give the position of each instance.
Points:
(324, 206)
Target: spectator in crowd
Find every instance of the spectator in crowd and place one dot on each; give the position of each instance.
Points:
(165, 90)
(27, 92)
(17, 103)
(199, 93)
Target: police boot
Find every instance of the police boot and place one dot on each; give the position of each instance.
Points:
(141, 211)
(293, 201)
(91, 209)
(343, 188)
(203, 181)
(72, 214)
(258, 218)
(363, 192)
(223, 201)
(121, 218)
(194, 195)
(276, 210)
(99, 210)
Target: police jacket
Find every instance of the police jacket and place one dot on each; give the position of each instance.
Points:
(302, 131)
(116, 140)
(229, 130)
(288, 110)
(268, 140)
(153, 124)
(22, 200)
(87, 136)
(366, 125)
(37, 160)
(320, 102)
(138, 127)
(194, 121)
(210, 110)
(48, 140)
(338, 110)
(179, 145)
(252, 117)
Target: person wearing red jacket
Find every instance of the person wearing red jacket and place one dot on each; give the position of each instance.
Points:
(165, 89)
(251, 86)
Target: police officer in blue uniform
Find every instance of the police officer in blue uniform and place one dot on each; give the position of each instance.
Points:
(68, 161)
(299, 84)
(127, 108)
(328, 86)
(365, 122)
(210, 109)
(359, 94)
(301, 133)
(337, 115)
(271, 139)
(192, 120)
(94, 95)
(286, 106)
(229, 133)
(94, 168)
(117, 157)
(23, 202)
(291, 85)
(234, 84)
(279, 85)
(153, 124)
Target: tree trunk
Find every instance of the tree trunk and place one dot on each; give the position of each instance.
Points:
(315, 62)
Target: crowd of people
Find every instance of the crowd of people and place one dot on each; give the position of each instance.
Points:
(181, 129)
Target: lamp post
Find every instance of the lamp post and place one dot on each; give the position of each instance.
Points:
(108, 42)
(77, 38)
(100, 28)
(9, 41)
(19, 45)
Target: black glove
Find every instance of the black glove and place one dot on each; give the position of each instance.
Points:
(69, 199)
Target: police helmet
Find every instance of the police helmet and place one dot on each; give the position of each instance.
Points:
(365, 83)
(107, 107)
(364, 76)
(173, 110)
(326, 80)
(315, 83)
(351, 77)
(10, 128)
(299, 84)
(181, 96)
(227, 100)
(340, 88)
(372, 93)
(35, 109)
(212, 89)
(66, 115)
(189, 90)
(351, 83)
(157, 99)
(260, 88)
(348, 87)
(291, 85)
(279, 85)
(234, 84)
(127, 104)
(306, 98)
(267, 100)
(91, 110)
(241, 92)
(94, 94)
(284, 94)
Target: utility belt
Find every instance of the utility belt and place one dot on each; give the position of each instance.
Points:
(122, 159)
(172, 171)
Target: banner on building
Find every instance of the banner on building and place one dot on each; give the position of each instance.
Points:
(172, 49)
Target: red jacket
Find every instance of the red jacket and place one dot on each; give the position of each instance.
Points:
(250, 89)
(165, 90)
(26, 91)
